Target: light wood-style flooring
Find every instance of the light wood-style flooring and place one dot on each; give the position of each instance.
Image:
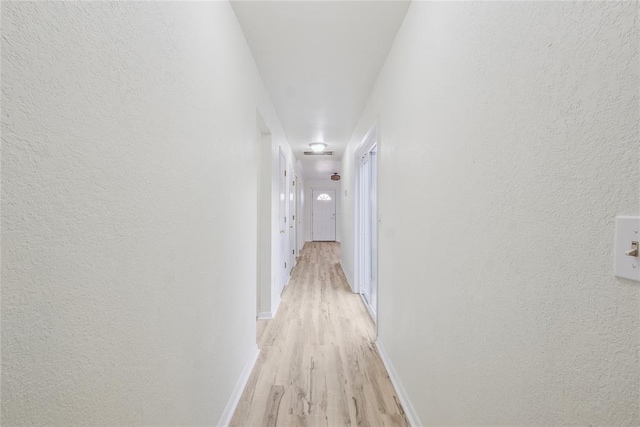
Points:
(318, 365)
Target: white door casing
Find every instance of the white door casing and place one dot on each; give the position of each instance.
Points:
(373, 224)
(323, 215)
(365, 226)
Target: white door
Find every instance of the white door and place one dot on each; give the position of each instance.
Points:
(282, 221)
(323, 212)
(292, 224)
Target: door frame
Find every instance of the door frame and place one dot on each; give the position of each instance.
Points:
(335, 217)
(370, 141)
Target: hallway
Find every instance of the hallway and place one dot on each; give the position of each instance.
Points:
(477, 164)
(318, 364)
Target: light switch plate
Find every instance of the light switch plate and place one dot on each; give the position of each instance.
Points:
(627, 231)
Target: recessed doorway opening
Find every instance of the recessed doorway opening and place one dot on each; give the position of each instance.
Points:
(367, 222)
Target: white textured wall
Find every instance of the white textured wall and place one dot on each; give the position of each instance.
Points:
(128, 211)
(318, 184)
(508, 144)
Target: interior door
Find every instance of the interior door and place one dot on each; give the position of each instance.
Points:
(291, 250)
(323, 212)
(282, 222)
(368, 229)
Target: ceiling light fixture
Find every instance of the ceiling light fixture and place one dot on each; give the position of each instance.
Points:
(318, 147)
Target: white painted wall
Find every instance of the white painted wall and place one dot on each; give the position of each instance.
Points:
(508, 144)
(128, 211)
(309, 186)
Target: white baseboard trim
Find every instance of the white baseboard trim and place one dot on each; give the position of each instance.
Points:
(349, 281)
(230, 409)
(369, 309)
(275, 308)
(268, 315)
(409, 411)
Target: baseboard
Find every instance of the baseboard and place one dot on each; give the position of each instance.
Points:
(409, 412)
(268, 315)
(346, 276)
(227, 414)
(372, 313)
(275, 308)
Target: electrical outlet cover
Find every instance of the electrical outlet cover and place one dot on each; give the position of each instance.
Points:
(627, 231)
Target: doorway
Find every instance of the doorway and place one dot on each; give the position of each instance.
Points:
(323, 215)
(293, 229)
(300, 209)
(283, 274)
(367, 223)
(274, 225)
(264, 220)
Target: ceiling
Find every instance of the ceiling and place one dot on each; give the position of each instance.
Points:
(319, 61)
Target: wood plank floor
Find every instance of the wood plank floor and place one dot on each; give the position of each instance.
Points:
(318, 365)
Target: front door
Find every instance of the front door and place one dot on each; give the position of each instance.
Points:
(323, 211)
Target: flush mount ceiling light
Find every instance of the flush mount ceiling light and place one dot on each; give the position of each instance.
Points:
(318, 147)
